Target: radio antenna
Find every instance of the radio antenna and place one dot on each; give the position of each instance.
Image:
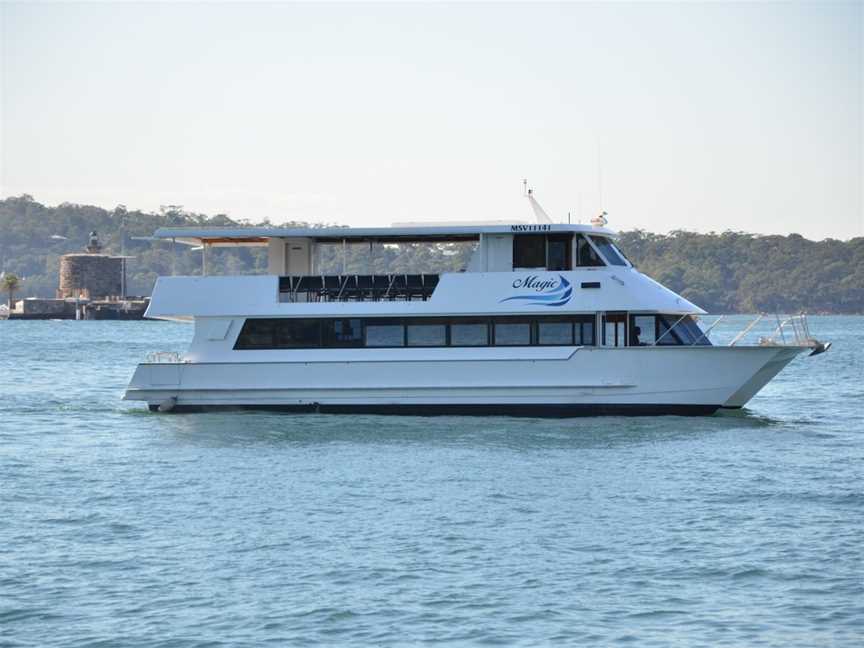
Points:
(599, 176)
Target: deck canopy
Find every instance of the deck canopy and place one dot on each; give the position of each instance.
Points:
(259, 236)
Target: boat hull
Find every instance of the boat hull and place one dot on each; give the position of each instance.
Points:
(548, 382)
(476, 409)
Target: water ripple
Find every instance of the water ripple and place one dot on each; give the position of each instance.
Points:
(119, 527)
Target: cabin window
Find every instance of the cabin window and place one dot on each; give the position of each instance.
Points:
(655, 330)
(555, 333)
(342, 333)
(469, 334)
(586, 256)
(529, 251)
(558, 251)
(583, 333)
(280, 334)
(615, 329)
(381, 334)
(298, 333)
(688, 331)
(257, 334)
(512, 333)
(608, 249)
(331, 333)
(643, 330)
(664, 337)
(550, 252)
(684, 330)
(427, 334)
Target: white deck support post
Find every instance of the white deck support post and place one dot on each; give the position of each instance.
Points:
(203, 258)
(173, 257)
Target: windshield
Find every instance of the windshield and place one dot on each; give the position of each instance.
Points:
(608, 250)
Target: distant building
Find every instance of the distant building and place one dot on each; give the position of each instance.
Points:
(91, 287)
(90, 275)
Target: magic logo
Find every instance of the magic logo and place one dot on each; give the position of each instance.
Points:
(544, 291)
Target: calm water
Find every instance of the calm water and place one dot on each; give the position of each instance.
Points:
(123, 528)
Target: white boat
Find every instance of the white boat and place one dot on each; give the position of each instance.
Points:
(546, 320)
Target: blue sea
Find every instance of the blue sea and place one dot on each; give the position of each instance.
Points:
(119, 527)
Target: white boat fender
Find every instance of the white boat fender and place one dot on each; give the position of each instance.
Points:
(168, 405)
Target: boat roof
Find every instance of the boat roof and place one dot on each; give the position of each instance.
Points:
(396, 234)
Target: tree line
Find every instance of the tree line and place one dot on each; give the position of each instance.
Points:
(728, 272)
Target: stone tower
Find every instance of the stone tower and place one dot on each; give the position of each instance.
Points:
(91, 275)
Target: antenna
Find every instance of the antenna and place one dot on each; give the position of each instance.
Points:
(525, 187)
(599, 175)
(539, 214)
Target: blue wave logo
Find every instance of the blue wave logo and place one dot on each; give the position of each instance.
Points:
(547, 292)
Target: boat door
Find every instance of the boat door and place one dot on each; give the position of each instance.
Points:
(297, 257)
(615, 329)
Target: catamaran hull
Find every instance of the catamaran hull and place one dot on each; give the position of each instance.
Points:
(557, 382)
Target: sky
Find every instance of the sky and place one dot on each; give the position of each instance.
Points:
(698, 116)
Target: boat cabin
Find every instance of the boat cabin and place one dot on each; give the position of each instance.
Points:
(592, 303)
(295, 255)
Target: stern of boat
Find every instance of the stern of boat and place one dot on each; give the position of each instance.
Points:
(156, 380)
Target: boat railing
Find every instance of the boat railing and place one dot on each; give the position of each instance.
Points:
(163, 357)
(793, 331)
(350, 287)
(746, 330)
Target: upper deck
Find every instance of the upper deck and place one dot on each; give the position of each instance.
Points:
(297, 252)
(516, 268)
(408, 233)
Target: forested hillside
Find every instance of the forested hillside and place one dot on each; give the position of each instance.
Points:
(723, 273)
(734, 272)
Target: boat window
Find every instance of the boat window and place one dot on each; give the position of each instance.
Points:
(427, 334)
(287, 333)
(555, 333)
(257, 334)
(469, 334)
(380, 334)
(586, 256)
(584, 332)
(558, 251)
(615, 329)
(512, 333)
(343, 333)
(608, 249)
(665, 337)
(690, 333)
(472, 331)
(685, 331)
(298, 333)
(548, 251)
(642, 330)
(529, 251)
